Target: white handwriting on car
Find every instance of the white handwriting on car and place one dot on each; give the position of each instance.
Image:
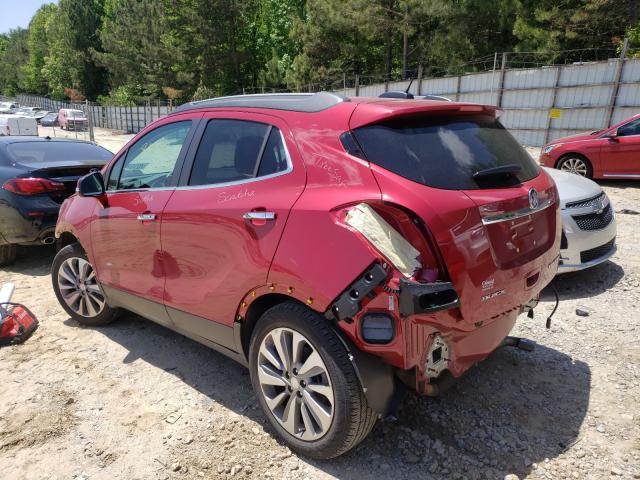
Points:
(333, 172)
(224, 197)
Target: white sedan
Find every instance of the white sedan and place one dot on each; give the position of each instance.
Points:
(588, 222)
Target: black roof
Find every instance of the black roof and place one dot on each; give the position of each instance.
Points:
(294, 102)
(32, 138)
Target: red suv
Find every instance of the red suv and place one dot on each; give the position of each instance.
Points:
(340, 248)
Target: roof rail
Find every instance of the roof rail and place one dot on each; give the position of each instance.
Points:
(294, 102)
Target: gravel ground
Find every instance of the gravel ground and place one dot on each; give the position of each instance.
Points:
(137, 401)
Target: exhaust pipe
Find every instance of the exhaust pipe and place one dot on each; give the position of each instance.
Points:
(48, 240)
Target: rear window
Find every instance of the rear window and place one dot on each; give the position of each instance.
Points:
(447, 152)
(33, 152)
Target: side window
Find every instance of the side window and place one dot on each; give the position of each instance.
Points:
(233, 150)
(274, 158)
(631, 128)
(152, 161)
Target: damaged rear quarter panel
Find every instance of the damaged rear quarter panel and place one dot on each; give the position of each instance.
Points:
(316, 256)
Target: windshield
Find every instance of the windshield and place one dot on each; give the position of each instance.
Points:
(75, 113)
(30, 152)
(447, 152)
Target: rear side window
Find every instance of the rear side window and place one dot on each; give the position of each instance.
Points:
(447, 152)
(236, 150)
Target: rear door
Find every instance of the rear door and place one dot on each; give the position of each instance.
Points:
(221, 228)
(125, 233)
(495, 228)
(621, 154)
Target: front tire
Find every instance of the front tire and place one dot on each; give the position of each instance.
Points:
(77, 289)
(576, 164)
(306, 384)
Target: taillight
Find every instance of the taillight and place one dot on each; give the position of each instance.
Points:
(397, 236)
(32, 186)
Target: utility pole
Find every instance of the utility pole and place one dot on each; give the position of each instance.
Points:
(89, 111)
(616, 83)
(405, 43)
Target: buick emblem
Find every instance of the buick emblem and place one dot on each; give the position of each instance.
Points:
(534, 201)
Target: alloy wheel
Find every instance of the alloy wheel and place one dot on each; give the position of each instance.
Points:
(576, 166)
(296, 384)
(79, 287)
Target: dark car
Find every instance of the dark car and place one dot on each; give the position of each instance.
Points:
(49, 120)
(36, 175)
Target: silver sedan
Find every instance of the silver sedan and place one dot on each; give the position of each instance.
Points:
(588, 222)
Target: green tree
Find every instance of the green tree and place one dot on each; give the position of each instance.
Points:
(14, 55)
(134, 50)
(85, 19)
(554, 26)
(61, 65)
(38, 46)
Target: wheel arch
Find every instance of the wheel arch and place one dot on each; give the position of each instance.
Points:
(377, 379)
(252, 308)
(66, 238)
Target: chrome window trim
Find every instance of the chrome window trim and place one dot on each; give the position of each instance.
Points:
(288, 170)
(523, 212)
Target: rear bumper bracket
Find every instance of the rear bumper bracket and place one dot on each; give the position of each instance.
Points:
(349, 303)
(426, 297)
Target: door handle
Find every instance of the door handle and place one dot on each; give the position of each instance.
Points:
(258, 215)
(147, 217)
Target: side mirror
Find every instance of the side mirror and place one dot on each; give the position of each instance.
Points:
(91, 185)
(612, 136)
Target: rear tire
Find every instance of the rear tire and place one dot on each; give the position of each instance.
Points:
(576, 164)
(329, 412)
(8, 254)
(77, 290)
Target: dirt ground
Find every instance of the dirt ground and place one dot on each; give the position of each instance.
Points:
(136, 401)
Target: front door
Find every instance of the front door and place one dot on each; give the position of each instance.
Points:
(125, 234)
(621, 154)
(221, 229)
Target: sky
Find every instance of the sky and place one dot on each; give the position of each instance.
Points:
(18, 13)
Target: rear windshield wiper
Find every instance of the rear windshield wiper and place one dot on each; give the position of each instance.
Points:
(497, 171)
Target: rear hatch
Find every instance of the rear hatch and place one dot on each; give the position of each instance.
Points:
(491, 211)
(63, 162)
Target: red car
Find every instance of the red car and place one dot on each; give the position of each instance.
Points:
(338, 248)
(610, 153)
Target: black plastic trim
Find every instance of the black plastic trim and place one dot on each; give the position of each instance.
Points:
(426, 297)
(374, 341)
(222, 338)
(350, 302)
(377, 378)
(203, 327)
(154, 311)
